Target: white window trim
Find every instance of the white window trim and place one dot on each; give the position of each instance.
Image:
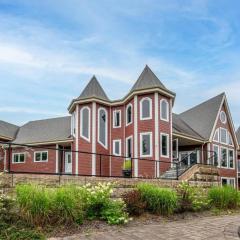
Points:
(106, 129)
(224, 122)
(120, 147)
(81, 124)
(150, 108)
(167, 135)
(151, 145)
(219, 162)
(218, 135)
(129, 105)
(230, 149)
(229, 178)
(126, 148)
(164, 119)
(230, 136)
(221, 156)
(73, 124)
(120, 118)
(13, 154)
(41, 156)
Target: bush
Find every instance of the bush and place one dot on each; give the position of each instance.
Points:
(191, 198)
(159, 200)
(134, 203)
(225, 197)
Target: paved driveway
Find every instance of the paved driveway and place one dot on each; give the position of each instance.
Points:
(213, 228)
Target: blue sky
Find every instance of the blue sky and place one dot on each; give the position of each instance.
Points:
(50, 49)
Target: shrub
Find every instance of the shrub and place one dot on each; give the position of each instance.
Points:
(224, 197)
(114, 212)
(191, 198)
(134, 203)
(159, 200)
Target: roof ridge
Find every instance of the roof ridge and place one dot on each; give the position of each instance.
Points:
(45, 119)
(9, 123)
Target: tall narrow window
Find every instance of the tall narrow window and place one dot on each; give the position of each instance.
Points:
(102, 127)
(129, 114)
(146, 144)
(230, 158)
(223, 135)
(117, 147)
(73, 124)
(164, 110)
(85, 123)
(216, 155)
(117, 118)
(129, 147)
(224, 157)
(223, 117)
(145, 109)
(164, 145)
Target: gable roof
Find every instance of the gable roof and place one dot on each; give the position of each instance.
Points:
(202, 117)
(48, 130)
(8, 130)
(179, 126)
(238, 135)
(148, 79)
(93, 89)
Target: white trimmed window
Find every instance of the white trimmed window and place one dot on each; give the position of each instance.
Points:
(85, 123)
(102, 127)
(18, 158)
(146, 144)
(117, 147)
(216, 155)
(164, 145)
(146, 108)
(129, 114)
(223, 117)
(117, 118)
(73, 124)
(223, 135)
(224, 158)
(164, 110)
(129, 146)
(41, 156)
(230, 158)
(228, 181)
(216, 136)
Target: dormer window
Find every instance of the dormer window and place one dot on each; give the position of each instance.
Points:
(146, 109)
(164, 110)
(129, 114)
(223, 117)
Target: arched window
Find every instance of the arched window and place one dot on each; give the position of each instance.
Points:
(129, 114)
(145, 109)
(164, 110)
(102, 127)
(85, 123)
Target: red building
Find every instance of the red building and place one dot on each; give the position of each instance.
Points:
(100, 134)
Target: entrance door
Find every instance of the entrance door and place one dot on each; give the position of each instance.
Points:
(68, 162)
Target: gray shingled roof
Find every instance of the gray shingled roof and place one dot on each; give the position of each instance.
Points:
(48, 130)
(202, 117)
(148, 79)
(179, 126)
(8, 130)
(93, 89)
(238, 135)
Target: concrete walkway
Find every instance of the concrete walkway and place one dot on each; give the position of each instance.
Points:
(213, 228)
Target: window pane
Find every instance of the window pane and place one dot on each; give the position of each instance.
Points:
(117, 148)
(164, 110)
(38, 157)
(223, 135)
(223, 157)
(231, 182)
(216, 137)
(21, 157)
(129, 114)
(224, 181)
(230, 157)
(230, 142)
(129, 147)
(15, 158)
(145, 108)
(164, 145)
(215, 149)
(238, 165)
(117, 119)
(44, 156)
(85, 122)
(102, 127)
(146, 148)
